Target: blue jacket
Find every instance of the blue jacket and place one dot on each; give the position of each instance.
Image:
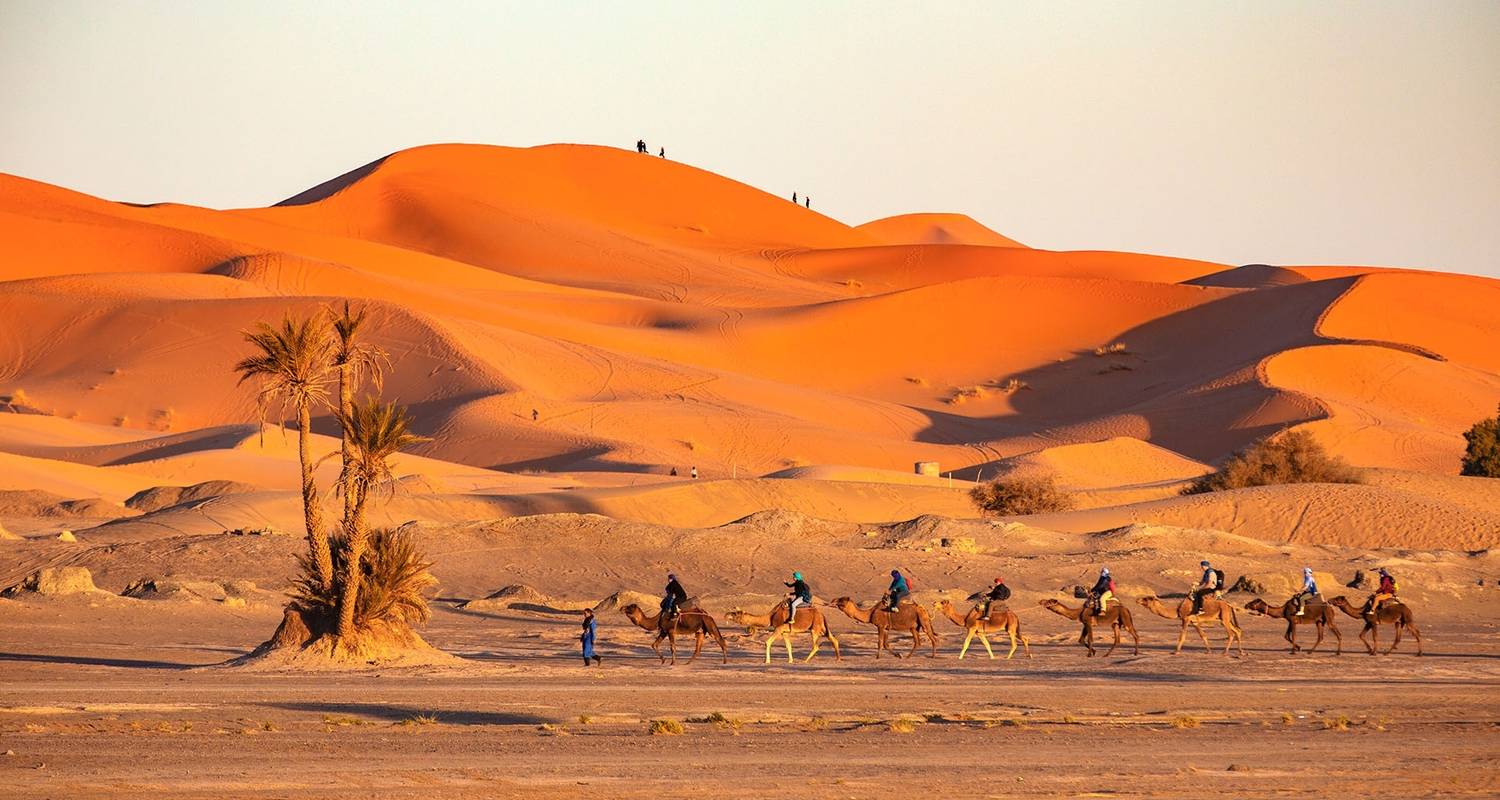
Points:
(898, 585)
(1209, 578)
(1309, 585)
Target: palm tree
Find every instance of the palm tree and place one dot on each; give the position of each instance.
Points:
(293, 366)
(353, 360)
(376, 431)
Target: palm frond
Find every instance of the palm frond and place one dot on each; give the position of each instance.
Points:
(294, 364)
(377, 431)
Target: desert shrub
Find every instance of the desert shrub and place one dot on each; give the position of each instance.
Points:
(902, 725)
(393, 576)
(1482, 455)
(1339, 723)
(1020, 496)
(1185, 721)
(1289, 457)
(1115, 349)
(665, 727)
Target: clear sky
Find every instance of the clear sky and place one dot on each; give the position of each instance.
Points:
(1301, 132)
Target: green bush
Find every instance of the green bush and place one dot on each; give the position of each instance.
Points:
(1288, 457)
(1482, 456)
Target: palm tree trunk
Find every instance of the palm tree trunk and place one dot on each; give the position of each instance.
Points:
(312, 510)
(346, 410)
(356, 536)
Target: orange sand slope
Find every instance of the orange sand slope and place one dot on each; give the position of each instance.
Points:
(655, 315)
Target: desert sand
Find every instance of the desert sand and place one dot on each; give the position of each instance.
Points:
(569, 325)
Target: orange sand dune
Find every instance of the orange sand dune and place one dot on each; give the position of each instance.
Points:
(656, 316)
(934, 229)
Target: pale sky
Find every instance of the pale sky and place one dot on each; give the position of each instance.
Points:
(1292, 133)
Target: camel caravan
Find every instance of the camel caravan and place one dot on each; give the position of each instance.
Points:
(1204, 606)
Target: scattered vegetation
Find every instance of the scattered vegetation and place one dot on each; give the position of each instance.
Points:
(1114, 349)
(665, 727)
(964, 394)
(1020, 496)
(554, 729)
(418, 720)
(817, 724)
(917, 381)
(853, 283)
(1068, 719)
(1288, 457)
(1482, 455)
(1287, 718)
(1013, 385)
(1185, 721)
(585, 719)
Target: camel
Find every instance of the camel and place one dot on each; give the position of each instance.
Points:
(1001, 619)
(1117, 617)
(1393, 612)
(808, 619)
(1214, 611)
(1316, 613)
(909, 617)
(689, 620)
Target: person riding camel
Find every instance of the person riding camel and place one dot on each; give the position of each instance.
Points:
(1386, 591)
(801, 595)
(1206, 586)
(898, 590)
(1103, 592)
(998, 593)
(1309, 591)
(675, 597)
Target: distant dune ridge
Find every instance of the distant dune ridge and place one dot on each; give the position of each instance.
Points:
(657, 316)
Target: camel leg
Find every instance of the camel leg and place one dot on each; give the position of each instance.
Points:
(1010, 634)
(815, 641)
(1397, 640)
(1135, 641)
(1318, 626)
(1338, 638)
(1415, 634)
(837, 656)
(1181, 637)
(786, 638)
(1291, 635)
(672, 645)
(916, 641)
(985, 640)
(1087, 639)
(1116, 628)
(656, 645)
(965, 648)
(1025, 643)
(1204, 637)
(769, 641)
(1373, 641)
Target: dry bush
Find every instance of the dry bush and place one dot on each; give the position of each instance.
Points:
(1482, 455)
(817, 724)
(1287, 718)
(1013, 385)
(393, 577)
(665, 727)
(584, 719)
(963, 394)
(1115, 349)
(419, 719)
(1289, 457)
(1339, 723)
(917, 381)
(1185, 721)
(1015, 497)
(902, 725)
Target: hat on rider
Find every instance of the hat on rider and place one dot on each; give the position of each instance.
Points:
(895, 573)
(1307, 570)
(796, 576)
(1203, 563)
(1383, 572)
(1103, 571)
(671, 576)
(999, 580)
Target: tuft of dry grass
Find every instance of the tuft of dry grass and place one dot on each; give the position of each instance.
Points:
(964, 394)
(419, 719)
(853, 283)
(901, 725)
(1288, 457)
(1013, 385)
(1068, 719)
(585, 719)
(1339, 723)
(817, 724)
(269, 726)
(1113, 349)
(1287, 718)
(917, 381)
(1020, 496)
(665, 727)
(1185, 721)
(553, 729)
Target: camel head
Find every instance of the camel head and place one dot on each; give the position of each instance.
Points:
(844, 603)
(1341, 601)
(1050, 603)
(632, 611)
(944, 606)
(1148, 600)
(1257, 606)
(735, 615)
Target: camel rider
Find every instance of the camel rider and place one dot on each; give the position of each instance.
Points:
(1206, 586)
(898, 590)
(675, 597)
(801, 595)
(1386, 591)
(998, 593)
(1103, 591)
(1309, 590)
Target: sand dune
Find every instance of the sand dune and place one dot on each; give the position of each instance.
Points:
(655, 316)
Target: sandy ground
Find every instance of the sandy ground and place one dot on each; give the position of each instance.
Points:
(106, 701)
